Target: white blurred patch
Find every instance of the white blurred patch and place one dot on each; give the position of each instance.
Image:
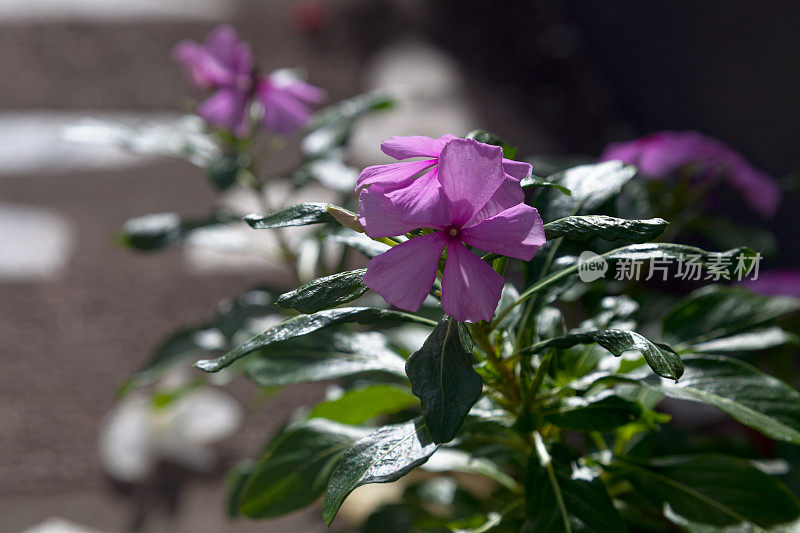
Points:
(59, 525)
(432, 101)
(35, 243)
(137, 434)
(114, 9)
(55, 141)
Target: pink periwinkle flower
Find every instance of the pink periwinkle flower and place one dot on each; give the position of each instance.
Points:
(286, 101)
(465, 202)
(778, 282)
(225, 64)
(659, 155)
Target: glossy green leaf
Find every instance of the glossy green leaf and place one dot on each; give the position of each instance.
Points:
(385, 455)
(716, 311)
(712, 489)
(296, 215)
(536, 181)
(602, 412)
(342, 355)
(660, 357)
(591, 186)
(442, 377)
(753, 398)
(750, 341)
(583, 499)
(234, 483)
(486, 137)
(327, 292)
(584, 228)
(357, 406)
(303, 325)
(295, 468)
(159, 230)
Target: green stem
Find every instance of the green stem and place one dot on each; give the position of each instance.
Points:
(546, 462)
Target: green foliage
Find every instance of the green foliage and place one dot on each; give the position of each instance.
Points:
(442, 376)
(542, 419)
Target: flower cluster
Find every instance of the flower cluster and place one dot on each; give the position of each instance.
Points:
(467, 194)
(225, 65)
(659, 155)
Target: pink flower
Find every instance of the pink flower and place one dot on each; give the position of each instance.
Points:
(395, 176)
(225, 64)
(466, 201)
(285, 100)
(659, 155)
(779, 282)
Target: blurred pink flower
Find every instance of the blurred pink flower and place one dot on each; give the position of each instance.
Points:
(285, 100)
(778, 282)
(468, 201)
(659, 155)
(223, 63)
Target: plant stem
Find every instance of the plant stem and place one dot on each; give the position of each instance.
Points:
(547, 463)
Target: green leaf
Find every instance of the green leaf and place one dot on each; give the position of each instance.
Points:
(509, 152)
(327, 292)
(602, 412)
(750, 341)
(159, 230)
(330, 128)
(385, 455)
(591, 186)
(712, 489)
(357, 406)
(234, 483)
(660, 357)
(716, 311)
(584, 228)
(584, 500)
(296, 215)
(637, 252)
(360, 243)
(181, 346)
(442, 377)
(223, 170)
(303, 325)
(753, 398)
(536, 181)
(454, 460)
(295, 468)
(344, 355)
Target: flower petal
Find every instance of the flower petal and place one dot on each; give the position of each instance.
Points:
(470, 288)
(379, 216)
(404, 274)
(392, 175)
(508, 195)
(423, 202)
(415, 146)
(205, 70)
(224, 44)
(283, 113)
(519, 170)
(516, 232)
(470, 172)
(758, 189)
(226, 108)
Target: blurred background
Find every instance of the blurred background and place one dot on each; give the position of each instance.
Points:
(78, 314)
